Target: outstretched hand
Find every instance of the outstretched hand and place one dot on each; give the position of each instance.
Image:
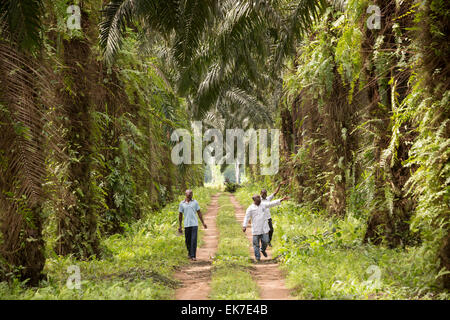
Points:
(285, 198)
(279, 186)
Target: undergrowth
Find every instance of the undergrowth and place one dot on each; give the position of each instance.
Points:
(324, 257)
(137, 264)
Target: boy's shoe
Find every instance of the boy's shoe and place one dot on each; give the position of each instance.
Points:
(264, 253)
(258, 259)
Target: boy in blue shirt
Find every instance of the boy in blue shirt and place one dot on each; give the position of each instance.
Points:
(189, 207)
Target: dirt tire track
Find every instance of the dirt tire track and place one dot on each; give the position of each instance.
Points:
(196, 276)
(266, 273)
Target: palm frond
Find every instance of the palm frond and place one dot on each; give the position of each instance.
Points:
(26, 92)
(249, 106)
(210, 88)
(241, 20)
(116, 16)
(193, 18)
(20, 20)
(339, 4)
(301, 16)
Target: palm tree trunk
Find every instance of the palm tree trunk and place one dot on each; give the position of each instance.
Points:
(22, 168)
(78, 228)
(384, 223)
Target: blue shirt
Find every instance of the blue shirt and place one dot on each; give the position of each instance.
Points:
(189, 209)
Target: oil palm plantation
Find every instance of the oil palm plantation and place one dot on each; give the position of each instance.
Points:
(23, 90)
(210, 42)
(217, 51)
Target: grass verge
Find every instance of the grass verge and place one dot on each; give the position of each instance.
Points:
(324, 257)
(138, 264)
(231, 278)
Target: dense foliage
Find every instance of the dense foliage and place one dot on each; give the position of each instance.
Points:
(136, 264)
(86, 149)
(87, 113)
(324, 257)
(365, 122)
(231, 186)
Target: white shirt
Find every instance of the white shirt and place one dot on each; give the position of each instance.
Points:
(258, 216)
(266, 201)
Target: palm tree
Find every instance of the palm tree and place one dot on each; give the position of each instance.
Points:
(186, 18)
(77, 227)
(237, 109)
(210, 41)
(24, 88)
(20, 23)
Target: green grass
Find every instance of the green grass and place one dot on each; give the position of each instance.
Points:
(322, 264)
(138, 264)
(231, 278)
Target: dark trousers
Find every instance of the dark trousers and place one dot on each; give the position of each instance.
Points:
(271, 230)
(190, 234)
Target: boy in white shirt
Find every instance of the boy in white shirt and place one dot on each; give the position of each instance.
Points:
(266, 199)
(260, 228)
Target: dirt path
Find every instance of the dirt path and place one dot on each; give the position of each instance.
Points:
(196, 276)
(266, 272)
